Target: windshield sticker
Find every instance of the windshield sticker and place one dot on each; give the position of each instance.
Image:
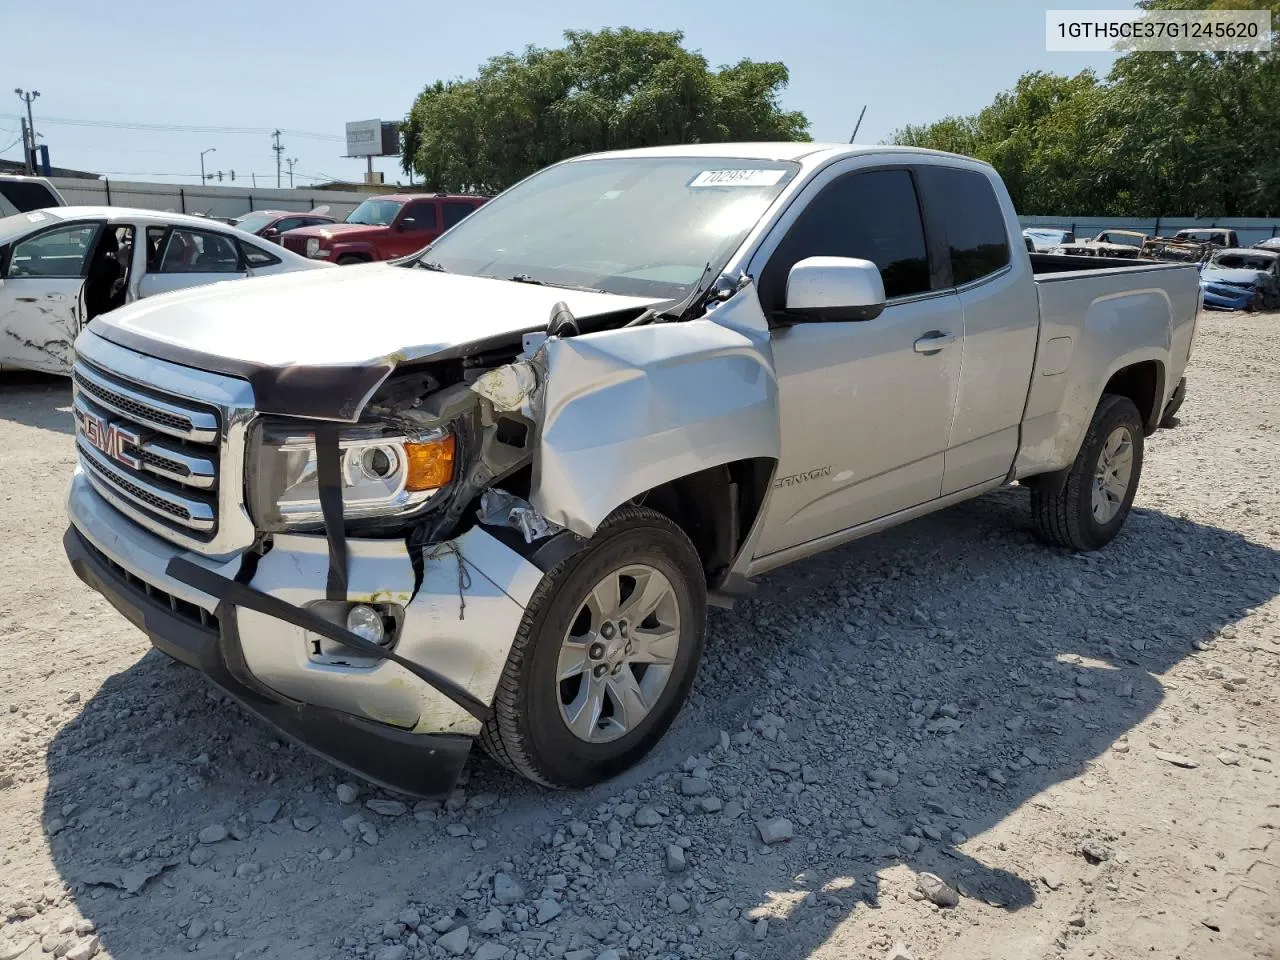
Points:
(737, 178)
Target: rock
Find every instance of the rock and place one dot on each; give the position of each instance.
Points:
(215, 833)
(1228, 758)
(348, 792)
(397, 951)
(943, 725)
(548, 910)
(610, 954)
(899, 951)
(929, 780)
(305, 824)
(776, 830)
(84, 927)
(710, 804)
(1051, 879)
(1076, 920)
(55, 826)
(266, 811)
(910, 844)
(694, 786)
(1177, 759)
(491, 922)
(248, 869)
(733, 810)
(14, 949)
(676, 861)
(646, 816)
(199, 856)
(605, 852)
(761, 929)
(1095, 852)
(506, 889)
(457, 830)
(883, 778)
(84, 949)
(678, 903)
(937, 890)
(410, 917)
(490, 951)
(196, 929)
(455, 941)
(931, 832)
(386, 808)
(240, 830)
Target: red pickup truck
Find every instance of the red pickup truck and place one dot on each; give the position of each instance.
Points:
(382, 228)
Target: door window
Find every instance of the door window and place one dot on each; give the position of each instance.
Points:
(291, 223)
(423, 214)
(257, 257)
(970, 216)
(54, 253)
(197, 251)
(455, 212)
(873, 215)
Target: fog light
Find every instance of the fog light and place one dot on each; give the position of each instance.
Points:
(366, 622)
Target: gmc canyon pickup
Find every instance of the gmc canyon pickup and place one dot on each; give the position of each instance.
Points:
(486, 491)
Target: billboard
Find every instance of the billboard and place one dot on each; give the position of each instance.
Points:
(373, 138)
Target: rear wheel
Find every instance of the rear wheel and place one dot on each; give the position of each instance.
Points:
(1091, 506)
(351, 258)
(604, 657)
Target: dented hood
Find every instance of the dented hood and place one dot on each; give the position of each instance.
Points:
(317, 343)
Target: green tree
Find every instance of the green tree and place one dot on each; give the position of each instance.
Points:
(602, 91)
(1191, 134)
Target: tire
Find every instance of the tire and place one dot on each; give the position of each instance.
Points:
(1065, 515)
(349, 258)
(530, 730)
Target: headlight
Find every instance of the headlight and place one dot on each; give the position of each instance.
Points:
(384, 474)
(313, 246)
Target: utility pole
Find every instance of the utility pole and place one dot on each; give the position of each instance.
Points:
(279, 153)
(858, 124)
(291, 161)
(26, 98)
(203, 178)
(26, 145)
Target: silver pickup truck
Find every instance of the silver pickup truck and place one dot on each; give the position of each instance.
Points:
(487, 491)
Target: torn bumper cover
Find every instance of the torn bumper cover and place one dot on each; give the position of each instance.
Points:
(404, 717)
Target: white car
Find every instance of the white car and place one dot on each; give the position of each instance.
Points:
(60, 267)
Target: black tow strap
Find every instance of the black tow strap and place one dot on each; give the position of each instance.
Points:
(329, 478)
(242, 595)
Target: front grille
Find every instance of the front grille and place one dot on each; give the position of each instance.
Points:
(183, 608)
(296, 244)
(153, 456)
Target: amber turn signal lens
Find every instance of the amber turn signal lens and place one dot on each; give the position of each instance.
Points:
(430, 464)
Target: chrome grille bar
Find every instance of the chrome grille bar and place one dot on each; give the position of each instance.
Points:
(198, 426)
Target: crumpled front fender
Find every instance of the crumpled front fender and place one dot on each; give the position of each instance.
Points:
(624, 411)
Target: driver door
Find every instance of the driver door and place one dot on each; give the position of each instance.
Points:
(191, 258)
(415, 228)
(40, 297)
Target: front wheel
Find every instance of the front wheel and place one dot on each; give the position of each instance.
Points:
(1089, 508)
(604, 657)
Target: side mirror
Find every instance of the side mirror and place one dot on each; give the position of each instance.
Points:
(271, 233)
(835, 288)
(406, 224)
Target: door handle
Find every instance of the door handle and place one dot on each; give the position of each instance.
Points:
(934, 341)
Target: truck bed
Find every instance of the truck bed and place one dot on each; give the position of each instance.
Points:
(1051, 265)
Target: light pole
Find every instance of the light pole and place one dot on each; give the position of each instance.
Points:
(202, 153)
(291, 162)
(31, 126)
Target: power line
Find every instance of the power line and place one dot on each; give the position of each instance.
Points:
(180, 127)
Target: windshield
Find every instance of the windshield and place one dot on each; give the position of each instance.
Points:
(375, 213)
(639, 226)
(253, 222)
(1126, 239)
(1239, 261)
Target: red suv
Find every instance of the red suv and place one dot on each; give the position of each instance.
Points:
(382, 228)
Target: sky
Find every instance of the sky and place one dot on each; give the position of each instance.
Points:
(129, 72)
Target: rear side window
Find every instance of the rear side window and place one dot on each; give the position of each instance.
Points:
(872, 216)
(256, 256)
(455, 212)
(27, 195)
(965, 205)
(423, 214)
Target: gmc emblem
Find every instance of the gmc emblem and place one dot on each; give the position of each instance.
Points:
(110, 438)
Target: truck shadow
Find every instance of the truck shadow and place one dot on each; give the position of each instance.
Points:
(37, 400)
(842, 666)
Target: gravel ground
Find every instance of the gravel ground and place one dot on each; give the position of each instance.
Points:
(945, 741)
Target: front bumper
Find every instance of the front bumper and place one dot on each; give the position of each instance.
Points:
(371, 717)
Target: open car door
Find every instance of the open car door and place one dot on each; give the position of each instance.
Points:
(42, 279)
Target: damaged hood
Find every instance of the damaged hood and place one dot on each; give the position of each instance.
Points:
(1234, 275)
(317, 343)
(347, 317)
